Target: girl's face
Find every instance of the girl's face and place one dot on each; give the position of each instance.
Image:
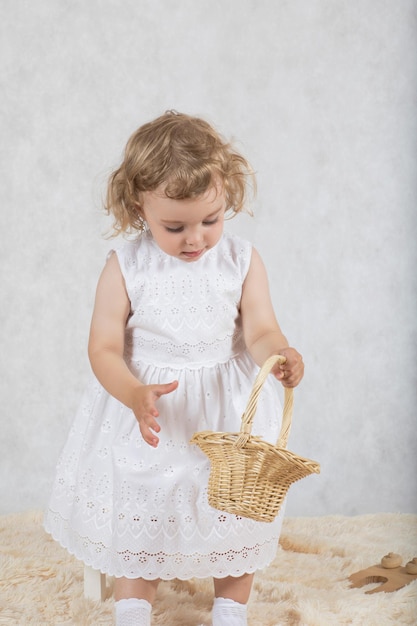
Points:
(186, 228)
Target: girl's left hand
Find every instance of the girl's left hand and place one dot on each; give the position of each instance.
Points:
(291, 372)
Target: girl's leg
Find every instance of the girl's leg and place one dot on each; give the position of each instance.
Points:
(134, 599)
(232, 595)
(237, 589)
(125, 588)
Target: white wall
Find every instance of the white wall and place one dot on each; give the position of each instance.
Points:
(321, 95)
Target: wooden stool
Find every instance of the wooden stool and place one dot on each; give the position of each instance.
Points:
(94, 584)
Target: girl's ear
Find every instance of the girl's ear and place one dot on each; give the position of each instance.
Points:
(139, 210)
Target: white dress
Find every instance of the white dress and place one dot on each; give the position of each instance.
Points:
(131, 510)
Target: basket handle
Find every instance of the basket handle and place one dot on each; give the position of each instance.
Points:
(248, 415)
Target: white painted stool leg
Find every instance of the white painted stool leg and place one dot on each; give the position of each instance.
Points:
(94, 584)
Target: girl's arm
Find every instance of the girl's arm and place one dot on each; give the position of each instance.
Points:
(261, 330)
(106, 348)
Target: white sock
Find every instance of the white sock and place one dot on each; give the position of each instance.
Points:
(133, 612)
(227, 612)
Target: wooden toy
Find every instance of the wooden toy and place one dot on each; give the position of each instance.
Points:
(388, 572)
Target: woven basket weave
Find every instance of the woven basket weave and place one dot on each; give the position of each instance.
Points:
(248, 476)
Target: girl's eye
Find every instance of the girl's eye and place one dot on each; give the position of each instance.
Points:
(179, 229)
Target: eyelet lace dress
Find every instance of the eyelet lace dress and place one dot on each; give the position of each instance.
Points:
(131, 510)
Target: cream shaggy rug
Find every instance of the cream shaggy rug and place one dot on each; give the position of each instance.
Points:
(305, 586)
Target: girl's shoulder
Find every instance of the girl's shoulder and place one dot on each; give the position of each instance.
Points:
(237, 251)
(235, 243)
(131, 252)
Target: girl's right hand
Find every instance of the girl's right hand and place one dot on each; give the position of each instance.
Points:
(144, 408)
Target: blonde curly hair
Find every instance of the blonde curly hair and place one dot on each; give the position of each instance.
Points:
(185, 156)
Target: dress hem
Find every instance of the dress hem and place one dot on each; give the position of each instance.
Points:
(108, 571)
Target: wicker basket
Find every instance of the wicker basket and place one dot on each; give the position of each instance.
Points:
(248, 476)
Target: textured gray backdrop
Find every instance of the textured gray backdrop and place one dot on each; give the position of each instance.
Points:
(321, 97)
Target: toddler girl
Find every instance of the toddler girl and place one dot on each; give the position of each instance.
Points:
(181, 323)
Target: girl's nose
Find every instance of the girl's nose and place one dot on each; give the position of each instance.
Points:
(194, 236)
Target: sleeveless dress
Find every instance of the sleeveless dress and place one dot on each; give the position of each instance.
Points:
(131, 510)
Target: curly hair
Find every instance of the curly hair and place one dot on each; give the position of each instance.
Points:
(185, 156)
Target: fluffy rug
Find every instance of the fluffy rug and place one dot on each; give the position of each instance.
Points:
(305, 586)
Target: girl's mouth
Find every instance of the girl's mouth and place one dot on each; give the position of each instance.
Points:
(194, 254)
